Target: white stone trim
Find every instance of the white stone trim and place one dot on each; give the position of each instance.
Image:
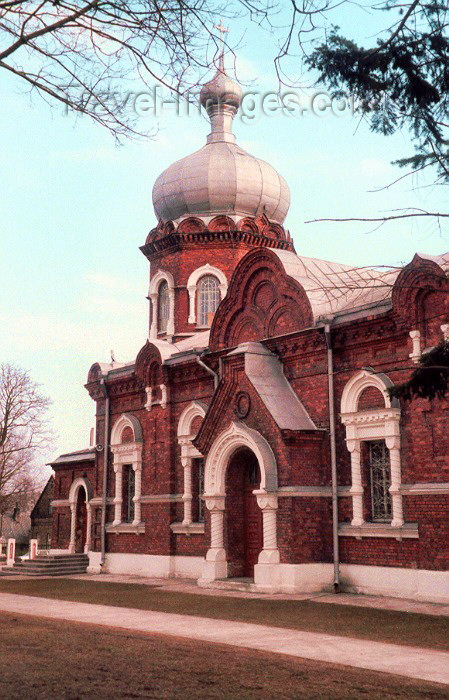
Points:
(61, 503)
(161, 498)
(192, 285)
(304, 491)
(150, 565)
(127, 453)
(426, 489)
(226, 444)
(416, 346)
(238, 435)
(126, 528)
(415, 584)
(375, 424)
(160, 276)
(191, 529)
(78, 483)
(407, 531)
(189, 452)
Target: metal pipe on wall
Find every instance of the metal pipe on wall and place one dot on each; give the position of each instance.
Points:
(104, 494)
(333, 448)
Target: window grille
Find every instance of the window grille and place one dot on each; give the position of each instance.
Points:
(200, 463)
(379, 463)
(208, 299)
(163, 308)
(129, 488)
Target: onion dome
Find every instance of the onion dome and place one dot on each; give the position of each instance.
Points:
(220, 178)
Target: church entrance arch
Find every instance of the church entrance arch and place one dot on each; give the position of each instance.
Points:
(81, 516)
(81, 522)
(240, 491)
(244, 530)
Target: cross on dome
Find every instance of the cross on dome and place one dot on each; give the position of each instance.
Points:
(223, 30)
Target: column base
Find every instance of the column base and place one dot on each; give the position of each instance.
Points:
(269, 556)
(215, 566)
(267, 576)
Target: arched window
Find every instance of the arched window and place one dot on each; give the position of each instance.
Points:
(163, 307)
(208, 299)
(373, 439)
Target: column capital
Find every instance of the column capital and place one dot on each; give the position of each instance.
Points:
(266, 500)
(214, 503)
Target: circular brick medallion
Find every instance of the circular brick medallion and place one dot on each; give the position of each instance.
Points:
(242, 404)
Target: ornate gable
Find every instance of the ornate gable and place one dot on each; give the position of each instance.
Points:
(262, 302)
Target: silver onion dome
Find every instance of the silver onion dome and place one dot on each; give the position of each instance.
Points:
(220, 178)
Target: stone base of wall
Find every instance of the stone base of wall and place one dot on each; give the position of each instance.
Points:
(147, 565)
(416, 584)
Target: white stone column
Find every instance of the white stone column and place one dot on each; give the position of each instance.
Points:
(171, 318)
(187, 495)
(153, 327)
(392, 444)
(164, 395)
(33, 549)
(268, 502)
(118, 499)
(138, 493)
(88, 528)
(11, 552)
(215, 566)
(416, 348)
(149, 393)
(191, 291)
(72, 528)
(356, 489)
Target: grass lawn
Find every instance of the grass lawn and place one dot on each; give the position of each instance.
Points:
(345, 620)
(45, 659)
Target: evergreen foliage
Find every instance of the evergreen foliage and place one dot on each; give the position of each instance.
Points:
(429, 380)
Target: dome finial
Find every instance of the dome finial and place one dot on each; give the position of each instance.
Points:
(221, 98)
(223, 30)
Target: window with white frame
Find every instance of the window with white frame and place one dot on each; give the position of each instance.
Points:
(379, 474)
(163, 307)
(129, 491)
(373, 438)
(207, 287)
(208, 299)
(126, 447)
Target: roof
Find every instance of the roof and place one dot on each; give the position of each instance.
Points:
(265, 373)
(79, 456)
(335, 289)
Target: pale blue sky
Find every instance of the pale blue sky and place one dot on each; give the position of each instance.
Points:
(75, 208)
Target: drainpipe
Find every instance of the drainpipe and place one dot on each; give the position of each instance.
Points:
(104, 495)
(209, 370)
(330, 381)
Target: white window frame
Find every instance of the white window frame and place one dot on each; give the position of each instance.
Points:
(189, 452)
(192, 286)
(128, 453)
(373, 424)
(159, 277)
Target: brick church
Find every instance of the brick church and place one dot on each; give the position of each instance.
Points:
(252, 441)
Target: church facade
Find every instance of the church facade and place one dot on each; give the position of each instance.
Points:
(253, 440)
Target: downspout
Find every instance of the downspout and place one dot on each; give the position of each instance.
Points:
(104, 495)
(208, 370)
(330, 382)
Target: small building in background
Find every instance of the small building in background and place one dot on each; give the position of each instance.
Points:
(41, 516)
